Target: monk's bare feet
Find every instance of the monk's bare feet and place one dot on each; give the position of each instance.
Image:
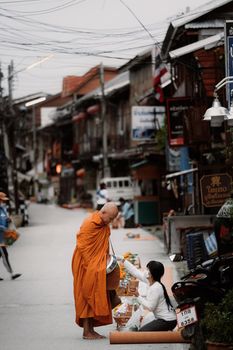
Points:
(92, 336)
(89, 335)
(99, 336)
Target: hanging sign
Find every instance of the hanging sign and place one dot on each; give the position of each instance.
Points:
(215, 189)
(177, 110)
(146, 121)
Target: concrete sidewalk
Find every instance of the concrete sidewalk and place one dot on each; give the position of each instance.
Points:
(37, 310)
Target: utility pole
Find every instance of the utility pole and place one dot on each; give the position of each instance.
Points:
(33, 104)
(106, 169)
(3, 159)
(11, 135)
(34, 151)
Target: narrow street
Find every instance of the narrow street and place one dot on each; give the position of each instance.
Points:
(37, 310)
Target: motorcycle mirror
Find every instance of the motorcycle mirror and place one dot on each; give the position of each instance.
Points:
(176, 257)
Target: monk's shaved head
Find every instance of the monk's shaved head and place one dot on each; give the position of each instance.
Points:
(110, 207)
(108, 212)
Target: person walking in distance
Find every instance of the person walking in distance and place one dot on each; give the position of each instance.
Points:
(92, 300)
(101, 196)
(127, 213)
(4, 222)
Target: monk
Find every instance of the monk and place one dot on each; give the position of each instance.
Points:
(92, 303)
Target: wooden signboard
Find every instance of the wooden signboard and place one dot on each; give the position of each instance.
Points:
(215, 189)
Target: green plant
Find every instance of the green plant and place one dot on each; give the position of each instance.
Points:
(161, 137)
(218, 320)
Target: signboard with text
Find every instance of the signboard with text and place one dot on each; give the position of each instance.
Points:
(215, 189)
(177, 110)
(146, 121)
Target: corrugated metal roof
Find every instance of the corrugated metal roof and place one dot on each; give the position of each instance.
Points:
(215, 23)
(30, 97)
(112, 85)
(198, 12)
(119, 82)
(218, 38)
(186, 18)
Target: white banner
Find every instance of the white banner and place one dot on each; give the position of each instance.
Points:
(146, 121)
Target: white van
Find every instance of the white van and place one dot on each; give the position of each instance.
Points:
(119, 187)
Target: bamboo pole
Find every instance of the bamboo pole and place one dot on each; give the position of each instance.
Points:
(146, 337)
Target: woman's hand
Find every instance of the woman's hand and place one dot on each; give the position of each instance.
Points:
(120, 258)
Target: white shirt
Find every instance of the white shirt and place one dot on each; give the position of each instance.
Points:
(102, 196)
(154, 300)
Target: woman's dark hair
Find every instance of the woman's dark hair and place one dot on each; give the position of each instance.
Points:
(102, 186)
(156, 269)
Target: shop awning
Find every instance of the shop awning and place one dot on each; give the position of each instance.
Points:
(94, 109)
(78, 117)
(204, 43)
(180, 173)
(139, 164)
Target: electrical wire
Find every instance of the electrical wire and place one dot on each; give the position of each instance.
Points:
(52, 9)
(21, 32)
(131, 11)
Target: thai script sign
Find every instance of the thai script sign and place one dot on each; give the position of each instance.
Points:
(146, 121)
(215, 189)
(177, 110)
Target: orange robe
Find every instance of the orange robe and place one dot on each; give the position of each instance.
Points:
(89, 272)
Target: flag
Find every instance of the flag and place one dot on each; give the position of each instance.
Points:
(162, 75)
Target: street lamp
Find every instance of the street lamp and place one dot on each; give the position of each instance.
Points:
(217, 114)
(32, 104)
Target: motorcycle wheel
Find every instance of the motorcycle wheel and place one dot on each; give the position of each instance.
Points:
(188, 332)
(194, 333)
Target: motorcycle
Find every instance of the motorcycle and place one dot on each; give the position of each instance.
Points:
(208, 282)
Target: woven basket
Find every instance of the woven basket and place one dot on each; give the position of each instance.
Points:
(121, 320)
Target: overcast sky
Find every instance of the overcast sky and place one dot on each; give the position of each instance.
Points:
(68, 37)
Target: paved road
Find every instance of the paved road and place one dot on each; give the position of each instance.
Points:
(36, 310)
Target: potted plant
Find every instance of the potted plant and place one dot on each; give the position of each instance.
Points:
(217, 324)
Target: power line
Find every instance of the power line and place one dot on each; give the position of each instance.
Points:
(131, 11)
(26, 34)
(51, 10)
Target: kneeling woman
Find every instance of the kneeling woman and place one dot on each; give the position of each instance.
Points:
(157, 299)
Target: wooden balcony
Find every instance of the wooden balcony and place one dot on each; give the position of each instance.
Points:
(93, 146)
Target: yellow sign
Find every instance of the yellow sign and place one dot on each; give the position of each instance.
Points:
(215, 189)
